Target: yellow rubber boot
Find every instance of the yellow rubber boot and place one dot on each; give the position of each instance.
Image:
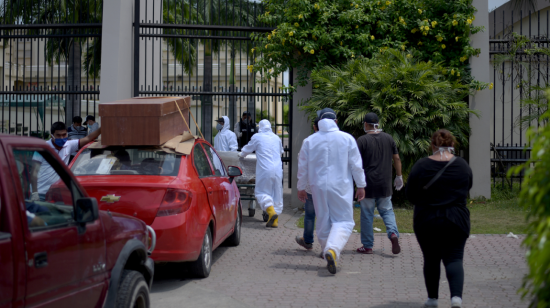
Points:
(330, 256)
(275, 223)
(272, 216)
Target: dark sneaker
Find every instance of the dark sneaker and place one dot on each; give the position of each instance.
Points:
(395, 244)
(363, 250)
(302, 242)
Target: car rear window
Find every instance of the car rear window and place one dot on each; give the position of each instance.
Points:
(123, 161)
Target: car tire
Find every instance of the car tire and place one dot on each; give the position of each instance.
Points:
(133, 291)
(251, 212)
(201, 267)
(235, 238)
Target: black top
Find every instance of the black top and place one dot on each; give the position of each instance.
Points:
(446, 197)
(377, 153)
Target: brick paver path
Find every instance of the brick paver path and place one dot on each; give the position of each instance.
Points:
(269, 269)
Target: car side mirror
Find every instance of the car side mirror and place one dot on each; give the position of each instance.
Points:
(86, 210)
(233, 172)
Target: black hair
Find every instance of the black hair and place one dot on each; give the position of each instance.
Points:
(77, 119)
(57, 126)
(90, 117)
(316, 123)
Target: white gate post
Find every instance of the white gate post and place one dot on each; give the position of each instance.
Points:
(480, 154)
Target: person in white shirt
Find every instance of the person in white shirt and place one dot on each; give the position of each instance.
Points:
(225, 140)
(42, 174)
(329, 162)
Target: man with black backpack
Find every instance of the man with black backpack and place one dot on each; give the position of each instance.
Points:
(378, 150)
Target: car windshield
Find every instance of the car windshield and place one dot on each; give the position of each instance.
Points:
(127, 160)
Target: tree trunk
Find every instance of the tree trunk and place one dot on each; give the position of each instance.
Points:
(251, 101)
(206, 103)
(73, 83)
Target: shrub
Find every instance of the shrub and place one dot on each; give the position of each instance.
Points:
(412, 98)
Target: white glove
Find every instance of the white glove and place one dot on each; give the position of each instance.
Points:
(398, 183)
(35, 196)
(241, 155)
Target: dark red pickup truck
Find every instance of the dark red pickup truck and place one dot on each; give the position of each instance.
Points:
(59, 253)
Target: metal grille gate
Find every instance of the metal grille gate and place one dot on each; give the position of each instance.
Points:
(50, 63)
(202, 49)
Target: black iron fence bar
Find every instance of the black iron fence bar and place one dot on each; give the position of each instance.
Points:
(206, 27)
(244, 38)
(48, 36)
(530, 39)
(212, 93)
(48, 26)
(512, 148)
(510, 160)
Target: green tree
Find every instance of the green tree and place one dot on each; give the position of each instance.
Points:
(412, 98)
(69, 48)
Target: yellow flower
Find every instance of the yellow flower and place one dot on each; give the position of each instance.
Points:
(316, 6)
(426, 28)
(421, 28)
(266, 13)
(452, 72)
(457, 73)
(491, 86)
(296, 25)
(341, 43)
(439, 38)
(402, 47)
(456, 38)
(443, 46)
(283, 41)
(300, 16)
(462, 59)
(266, 46)
(314, 37)
(357, 6)
(454, 16)
(455, 22)
(273, 32)
(425, 33)
(312, 51)
(409, 56)
(469, 21)
(356, 26)
(372, 37)
(269, 37)
(290, 33)
(419, 43)
(419, 11)
(352, 55)
(434, 23)
(250, 68)
(351, 4)
(473, 18)
(253, 49)
(388, 2)
(382, 8)
(414, 30)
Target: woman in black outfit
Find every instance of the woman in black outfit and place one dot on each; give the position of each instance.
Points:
(441, 218)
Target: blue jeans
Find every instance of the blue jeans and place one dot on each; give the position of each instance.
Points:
(309, 220)
(385, 209)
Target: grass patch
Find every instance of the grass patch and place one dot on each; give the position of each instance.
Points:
(500, 216)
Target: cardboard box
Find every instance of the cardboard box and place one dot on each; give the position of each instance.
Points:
(143, 120)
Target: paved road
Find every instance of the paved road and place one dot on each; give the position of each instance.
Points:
(269, 269)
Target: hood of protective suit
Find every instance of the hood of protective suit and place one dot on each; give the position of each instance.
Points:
(265, 126)
(328, 125)
(226, 123)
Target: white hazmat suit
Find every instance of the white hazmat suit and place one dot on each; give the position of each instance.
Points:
(226, 140)
(269, 167)
(330, 160)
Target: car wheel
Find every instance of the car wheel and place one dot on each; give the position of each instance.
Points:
(133, 291)
(235, 238)
(201, 267)
(265, 216)
(251, 212)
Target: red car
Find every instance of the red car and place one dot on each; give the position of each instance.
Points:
(191, 201)
(65, 252)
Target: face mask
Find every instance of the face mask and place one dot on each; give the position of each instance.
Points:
(219, 127)
(245, 121)
(60, 142)
(376, 129)
(443, 151)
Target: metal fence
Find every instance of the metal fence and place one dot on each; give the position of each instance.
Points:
(50, 63)
(520, 74)
(202, 49)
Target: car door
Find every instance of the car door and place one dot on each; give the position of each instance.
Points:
(58, 251)
(211, 184)
(225, 192)
(7, 264)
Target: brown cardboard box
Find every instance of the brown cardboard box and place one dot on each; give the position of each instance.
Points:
(143, 120)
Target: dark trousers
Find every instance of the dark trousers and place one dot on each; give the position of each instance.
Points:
(441, 240)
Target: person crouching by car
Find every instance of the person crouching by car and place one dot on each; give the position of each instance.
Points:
(438, 187)
(76, 131)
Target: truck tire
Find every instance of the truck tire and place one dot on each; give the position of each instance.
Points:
(201, 267)
(133, 291)
(235, 238)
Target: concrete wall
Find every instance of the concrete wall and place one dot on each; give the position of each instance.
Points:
(482, 102)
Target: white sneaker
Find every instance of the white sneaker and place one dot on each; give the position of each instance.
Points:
(431, 302)
(456, 302)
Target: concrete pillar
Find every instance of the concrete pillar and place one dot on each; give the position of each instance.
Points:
(117, 50)
(480, 155)
(301, 129)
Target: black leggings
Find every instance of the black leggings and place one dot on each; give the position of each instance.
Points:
(439, 240)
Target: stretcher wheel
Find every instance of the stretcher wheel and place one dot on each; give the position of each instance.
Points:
(265, 216)
(251, 212)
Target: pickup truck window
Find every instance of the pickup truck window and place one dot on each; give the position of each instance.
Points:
(128, 160)
(48, 201)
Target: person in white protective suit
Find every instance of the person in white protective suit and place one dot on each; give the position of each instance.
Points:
(225, 140)
(330, 161)
(269, 171)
